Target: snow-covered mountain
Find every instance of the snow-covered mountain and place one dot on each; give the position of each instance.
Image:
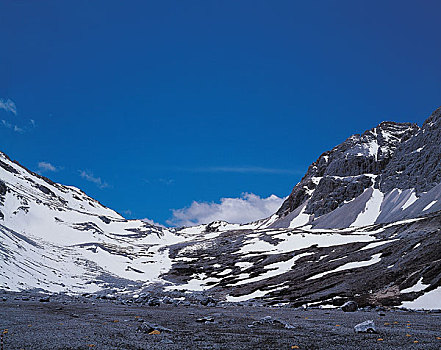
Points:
(363, 223)
(391, 172)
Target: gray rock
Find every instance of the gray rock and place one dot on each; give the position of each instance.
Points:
(271, 321)
(350, 306)
(206, 319)
(153, 302)
(146, 327)
(44, 299)
(366, 327)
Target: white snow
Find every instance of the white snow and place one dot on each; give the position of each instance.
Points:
(428, 206)
(419, 286)
(256, 294)
(275, 269)
(243, 264)
(430, 300)
(372, 210)
(301, 219)
(352, 265)
(377, 244)
(412, 198)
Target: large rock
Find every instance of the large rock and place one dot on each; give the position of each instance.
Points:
(350, 306)
(366, 327)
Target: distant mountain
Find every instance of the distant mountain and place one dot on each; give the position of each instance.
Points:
(364, 223)
(389, 173)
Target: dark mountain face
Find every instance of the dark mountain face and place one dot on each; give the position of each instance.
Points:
(417, 161)
(387, 158)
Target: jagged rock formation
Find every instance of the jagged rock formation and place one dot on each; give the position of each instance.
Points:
(379, 176)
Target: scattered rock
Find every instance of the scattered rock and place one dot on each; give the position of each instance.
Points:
(271, 321)
(148, 328)
(206, 319)
(366, 327)
(350, 306)
(74, 315)
(44, 299)
(208, 301)
(154, 302)
(25, 298)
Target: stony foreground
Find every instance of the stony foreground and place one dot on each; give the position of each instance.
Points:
(103, 324)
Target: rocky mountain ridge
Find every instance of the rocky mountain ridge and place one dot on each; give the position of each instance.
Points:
(381, 176)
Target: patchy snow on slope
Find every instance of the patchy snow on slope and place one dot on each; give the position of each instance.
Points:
(428, 206)
(428, 301)
(289, 241)
(372, 210)
(349, 266)
(412, 198)
(377, 244)
(301, 219)
(419, 286)
(274, 269)
(256, 294)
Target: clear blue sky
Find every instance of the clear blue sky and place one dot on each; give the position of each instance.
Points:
(173, 101)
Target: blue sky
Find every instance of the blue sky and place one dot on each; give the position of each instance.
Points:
(149, 106)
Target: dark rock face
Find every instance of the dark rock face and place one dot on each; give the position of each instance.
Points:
(46, 190)
(105, 219)
(3, 188)
(331, 192)
(417, 162)
(348, 169)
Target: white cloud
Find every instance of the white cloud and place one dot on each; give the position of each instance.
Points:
(249, 207)
(96, 180)
(8, 105)
(15, 124)
(151, 222)
(46, 166)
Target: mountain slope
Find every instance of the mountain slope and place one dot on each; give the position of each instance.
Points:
(389, 173)
(364, 223)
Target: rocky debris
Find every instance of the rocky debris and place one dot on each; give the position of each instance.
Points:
(153, 302)
(3, 188)
(205, 319)
(349, 306)
(45, 299)
(105, 219)
(74, 315)
(5, 299)
(148, 328)
(268, 320)
(25, 298)
(208, 301)
(366, 327)
(46, 190)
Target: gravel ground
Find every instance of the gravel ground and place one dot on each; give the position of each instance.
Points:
(102, 324)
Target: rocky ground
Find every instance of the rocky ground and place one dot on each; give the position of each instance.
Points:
(30, 321)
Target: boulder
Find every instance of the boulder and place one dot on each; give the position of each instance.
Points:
(350, 306)
(366, 327)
